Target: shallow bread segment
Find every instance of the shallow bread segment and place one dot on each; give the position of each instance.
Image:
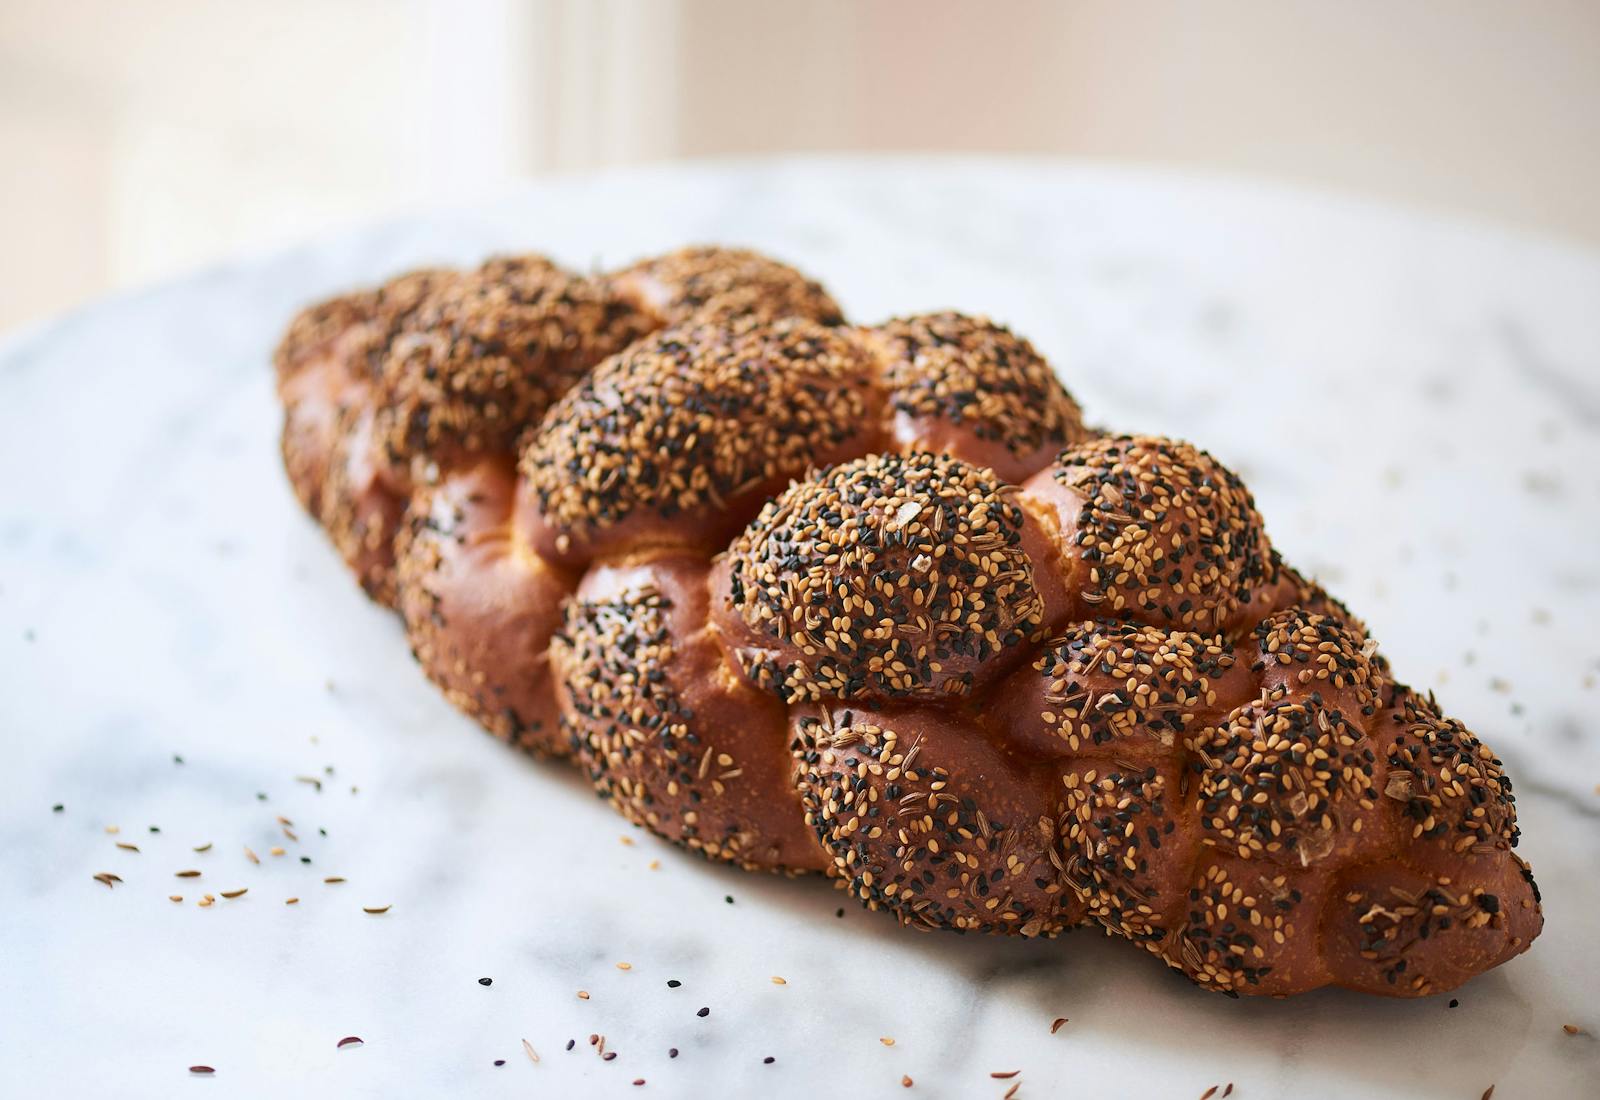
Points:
(666, 731)
(1127, 841)
(1121, 691)
(1427, 921)
(968, 387)
(1157, 531)
(924, 818)
(480, 609)
(1288, 780)
(1250, 927)
(324, 365)
(680, 440)
(893, 576)
(486, 354)
(709, 283)
(364, 501)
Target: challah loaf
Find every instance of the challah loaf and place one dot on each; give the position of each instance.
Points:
(873, 601)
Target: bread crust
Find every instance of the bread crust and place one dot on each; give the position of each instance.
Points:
(805, 596)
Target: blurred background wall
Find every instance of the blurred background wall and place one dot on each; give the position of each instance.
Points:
(142, 139)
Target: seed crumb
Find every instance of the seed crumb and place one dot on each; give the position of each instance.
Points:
(583, 994)
(886, 1041)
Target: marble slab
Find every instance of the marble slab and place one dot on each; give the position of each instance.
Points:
(1415, 402)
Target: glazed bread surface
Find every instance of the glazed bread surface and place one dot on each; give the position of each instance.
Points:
(873, 601)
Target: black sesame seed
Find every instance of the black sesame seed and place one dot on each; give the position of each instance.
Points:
(57, 808)
(673, 983)
(704, 1012)
(499, 1061)
(768, 1060)
(485, 981)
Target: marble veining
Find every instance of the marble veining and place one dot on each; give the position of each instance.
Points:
(1414, 401)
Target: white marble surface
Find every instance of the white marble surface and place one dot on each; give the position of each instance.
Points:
(1415, 402)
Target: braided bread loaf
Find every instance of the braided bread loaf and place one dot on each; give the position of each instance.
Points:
(873, 601)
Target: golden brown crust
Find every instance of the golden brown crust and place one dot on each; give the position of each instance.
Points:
(709, 283)
(678, 744)
(967, 387)
(324, 363)
(1099, 697)
(480, 608)
(678, 440)
(484, 355)
(1162, 533)
(924, 818)
(893, 576)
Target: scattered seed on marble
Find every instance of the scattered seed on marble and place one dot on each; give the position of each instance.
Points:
(376, 909)
(108, 879)
(485, 981)
(201, 1071)
(1209, 1093)
(333, 879)
(1056, 1026)
(571, 1043)
(291, 901)
(1005, 1075)
(57, 808)
(350, 1041)
(206, 902)
(188, 874)
(1012, 1091)
(175, 897)
(1572, 1029)
(251, 856)
(778, 981)
(528, 1047)
(673, 983)
(906, 1081)
(886, 1041)
(672, 1052)
(768, 1060)
(155, 828)
(499, 1061)
(275, 851)
(704, 1012)
(113, 829)
(609, 1056)
(126, 847)
(206, 847)
(236, 893)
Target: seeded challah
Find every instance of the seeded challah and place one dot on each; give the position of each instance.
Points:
(874, 601)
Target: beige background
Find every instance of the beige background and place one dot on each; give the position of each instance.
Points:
(142, 139)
